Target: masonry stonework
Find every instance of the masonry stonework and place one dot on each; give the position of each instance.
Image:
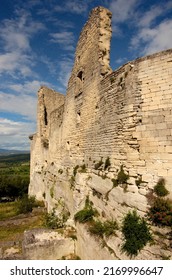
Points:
(124, 115)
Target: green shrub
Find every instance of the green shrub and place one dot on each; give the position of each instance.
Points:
(72, 182)
(138, 182)
(161, 212)
(51, 220)
(75, 170)
(136, 233)
(122, 177)
(52, 192)
(26, 204)
(106, 228)
(160, 189)
(87, 213)
(83, 168)
(98, 164)
(60, 171)
(84, 215)
(115, 182)
(107, 163)
(44, 195)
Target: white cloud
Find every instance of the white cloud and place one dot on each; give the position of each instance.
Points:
(74, 6)
(154, 29)
(15, 34)
(14, 135)
(14, 63)
(149, 16)
(65, 39)
(158, 38)
(65, 71)
(22, 104)
(122, 10)
(29, 87)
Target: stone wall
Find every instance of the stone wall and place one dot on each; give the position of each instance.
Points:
(123, 115)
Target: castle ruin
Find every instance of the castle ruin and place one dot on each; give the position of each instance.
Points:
(121, 117)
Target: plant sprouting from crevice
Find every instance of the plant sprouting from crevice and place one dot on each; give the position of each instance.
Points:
(136, 233)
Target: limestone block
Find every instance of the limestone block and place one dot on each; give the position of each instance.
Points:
(99, 184)
(46, 245)
(93, 249)
(142, 191)
(132, 188)
(147, 177)
(81, 178)
(131, 199)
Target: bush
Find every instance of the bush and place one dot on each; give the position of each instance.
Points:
(86, 214)
(98, 164)
(136, 233)
(75, 170)
(160, 189)
(122, 177)
(51, 220)
(106, 228)
(161, 212)
(26, 204)
(83, 169)
(107, 163)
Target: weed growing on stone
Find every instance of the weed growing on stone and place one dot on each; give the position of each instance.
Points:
(106, 228)
(160, 212)
(44, 195)
(87, 213)
(83, 169)
(72, 182)
(107, 163)
(160, 188)
(122, 177)
(52, 192)
(136, 233)
(51, 220)
(75, 170)
(98, 164)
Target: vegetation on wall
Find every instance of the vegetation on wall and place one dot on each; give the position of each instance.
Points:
(160, 213)
(54, 221)
(107, 163)
(98, 164)
(136, 233)
(106, 228)
(87, 213)
(160, 188)
(121, 178)
(75, 170)
(52, 191)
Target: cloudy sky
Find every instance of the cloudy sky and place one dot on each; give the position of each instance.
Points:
(37, 46)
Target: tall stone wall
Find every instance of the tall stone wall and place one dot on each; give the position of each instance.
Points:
(123, 115)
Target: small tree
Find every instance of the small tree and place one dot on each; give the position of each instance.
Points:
(136, 233)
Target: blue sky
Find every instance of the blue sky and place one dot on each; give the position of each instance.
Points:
(37, 46)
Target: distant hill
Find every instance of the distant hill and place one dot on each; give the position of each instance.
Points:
(5, 152)
(14, 158)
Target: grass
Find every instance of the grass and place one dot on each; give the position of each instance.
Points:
(106, 228)
(12, 226)
(87, 213)
(8, 210)
(13, 232)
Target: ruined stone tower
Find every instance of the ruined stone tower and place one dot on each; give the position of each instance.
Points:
(124, 115)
